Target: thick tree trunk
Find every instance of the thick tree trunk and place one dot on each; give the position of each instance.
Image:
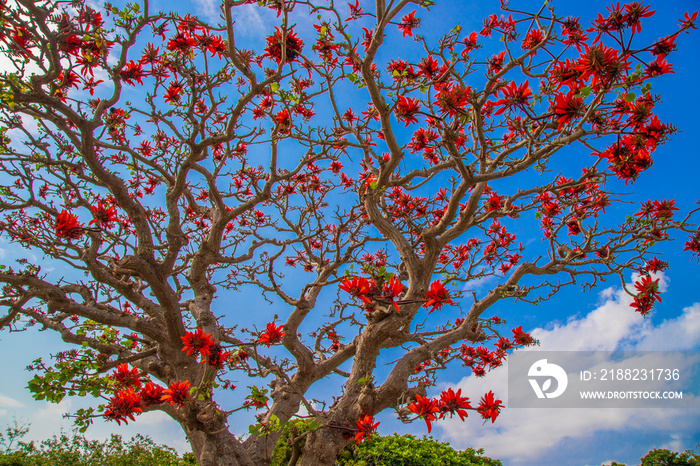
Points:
(217, 449)
(323, 447)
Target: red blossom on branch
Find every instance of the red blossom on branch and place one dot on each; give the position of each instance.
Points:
(197, 343)
(291, 46)
(123, 406)
(271, 335)
(67, 226)
(489, 407)
(425, 408)
(177, 393)
(454, 403)
(125, 377)
(365, 428)
(436, 296)
(408, 23)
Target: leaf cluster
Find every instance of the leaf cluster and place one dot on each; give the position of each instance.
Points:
(76, 450)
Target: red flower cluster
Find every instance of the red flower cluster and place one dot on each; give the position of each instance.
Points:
(271, 335)
(489, 407)
(67, 226)
(359, 287)
(451, 403)
(513, 96)
(408, 23)
(104, 214)
(436, 296)
(125, 377)
(123, 405)
(365, 428)
(693, 245)
(197, 343)
(647, 294)
(292, 46)
(177, 393)
(127, 402)
(406, 109)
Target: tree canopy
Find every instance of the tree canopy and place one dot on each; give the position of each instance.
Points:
(175, 169)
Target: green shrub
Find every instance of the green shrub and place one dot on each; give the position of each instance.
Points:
(394, 450)
(78, 451)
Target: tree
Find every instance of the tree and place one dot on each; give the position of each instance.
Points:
(76, 450)
(662, 457)
(171, 168)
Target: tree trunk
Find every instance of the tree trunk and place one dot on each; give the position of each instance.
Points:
(217, 449)
(323, 447)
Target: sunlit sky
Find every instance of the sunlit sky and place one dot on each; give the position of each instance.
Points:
(600, 319)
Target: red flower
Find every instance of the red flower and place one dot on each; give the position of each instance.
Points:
(182, 43)
(365, 427)
(426, 409)
(436, 296)
(271, 335)
(664, 46)
(489, 407)
(496, 62)
(177, 393)
(355, 10)
(123, 406)
(532, 39)
(197, 343)
(647, 293)
(292, 46)
(284, 121)
(634, 12)
(392, 290)
(217, 356)
(406, 109)
(151, 394)
(567, 107)
(358, 286)
(688, 22)
(693, 244)
(522, 338)
(126, 377)
(514, 96)
(601, 62)
(657, 68)
(67, 226)
(104, 214)
(655, 265)
(428, 66)
(408, 22)
(451, 402)
(131, 72)
(172, 94)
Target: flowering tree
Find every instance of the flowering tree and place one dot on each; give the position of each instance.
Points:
(169, 168)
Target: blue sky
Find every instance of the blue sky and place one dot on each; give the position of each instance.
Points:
(597, 320)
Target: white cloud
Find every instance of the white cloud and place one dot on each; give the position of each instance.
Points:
(521, 436)
(7, 402)
(248, 20)
(672, 334)
(209, 9)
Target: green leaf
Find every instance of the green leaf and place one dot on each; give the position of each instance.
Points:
(373, 185)
(630, 97)
(274, 87)
(584, 92)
